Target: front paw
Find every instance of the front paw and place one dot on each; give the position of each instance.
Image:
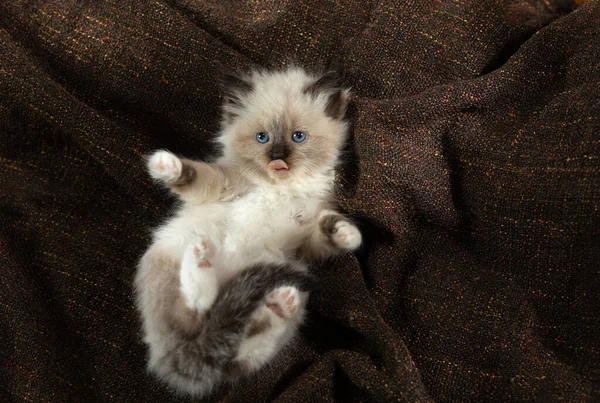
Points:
(165, 166)
(342, 233)
(347, 236)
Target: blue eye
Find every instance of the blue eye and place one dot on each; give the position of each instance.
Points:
(262, 138)
(298, 137)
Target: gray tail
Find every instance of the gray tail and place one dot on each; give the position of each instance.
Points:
(228, 317)
(210, 353)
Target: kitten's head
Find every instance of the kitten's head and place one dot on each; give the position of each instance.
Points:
(284, 124)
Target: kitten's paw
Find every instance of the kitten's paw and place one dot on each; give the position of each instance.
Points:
(202, 252)
(165, 166)
(346, 236)
(284, 301)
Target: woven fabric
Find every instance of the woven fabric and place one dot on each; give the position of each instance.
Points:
(473, 168)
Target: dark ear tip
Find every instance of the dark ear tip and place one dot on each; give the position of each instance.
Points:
(234, 86)
(333, 78)
(228, 79)
(327, 82)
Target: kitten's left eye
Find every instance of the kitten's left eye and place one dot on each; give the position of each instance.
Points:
(298, 137)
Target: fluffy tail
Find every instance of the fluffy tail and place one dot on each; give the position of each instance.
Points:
(200, 361)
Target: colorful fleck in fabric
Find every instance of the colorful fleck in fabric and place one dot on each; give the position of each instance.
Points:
(474, 169)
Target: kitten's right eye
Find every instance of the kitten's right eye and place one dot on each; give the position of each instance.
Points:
(262, 138)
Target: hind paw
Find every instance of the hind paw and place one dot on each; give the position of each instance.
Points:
(197, 276)
(284, 301)
(201, 252)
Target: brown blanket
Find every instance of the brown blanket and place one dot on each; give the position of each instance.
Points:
(474, 170)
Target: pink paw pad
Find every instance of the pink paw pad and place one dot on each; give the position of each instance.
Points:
(201, 252)
(172, 166)
(284, 301)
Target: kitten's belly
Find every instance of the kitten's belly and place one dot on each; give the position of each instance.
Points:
(261, 232)
(243, 232)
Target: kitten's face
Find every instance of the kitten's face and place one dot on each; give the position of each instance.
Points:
(284, 125)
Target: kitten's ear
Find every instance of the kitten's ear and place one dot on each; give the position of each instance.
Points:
(234, 88)
(330, 84)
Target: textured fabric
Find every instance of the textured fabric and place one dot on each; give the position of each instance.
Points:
(474, 170)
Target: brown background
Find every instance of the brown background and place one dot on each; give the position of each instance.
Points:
(474, 169)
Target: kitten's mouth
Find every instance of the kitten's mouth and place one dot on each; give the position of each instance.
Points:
(279, 168)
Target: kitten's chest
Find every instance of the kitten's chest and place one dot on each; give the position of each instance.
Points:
(263, 226)
(272, 211)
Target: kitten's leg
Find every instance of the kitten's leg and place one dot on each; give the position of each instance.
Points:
(192, 180)
(272, 326)
(333, 232)
(198, 280)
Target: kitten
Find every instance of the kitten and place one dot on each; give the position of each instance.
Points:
(223, 287)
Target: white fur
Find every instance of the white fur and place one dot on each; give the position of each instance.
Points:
(263, 226)
(267, 223)
(199, 282)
